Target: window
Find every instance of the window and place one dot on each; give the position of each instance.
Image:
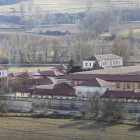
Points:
(72, 83)
(86, 64)
(0, 73)
(116, 62)
(117, 85)
(88, 95)
(128, 85)
(90, 64)
(139, 85)
(79, 93)
(101, 63)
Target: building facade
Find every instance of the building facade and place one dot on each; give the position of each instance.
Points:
(105, 61)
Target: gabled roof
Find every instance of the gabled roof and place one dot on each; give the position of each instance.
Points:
(121, 94)
(92, 58)
(96, 82)
(106, 77)
(60, 67)
(49, 73)
(103, 57)
(62, 89)
(120, 70)
(3, 68)
(40, 81)
(21, 74)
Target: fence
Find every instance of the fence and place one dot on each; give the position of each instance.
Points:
(132, 115)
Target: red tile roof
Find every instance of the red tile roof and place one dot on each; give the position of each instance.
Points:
(121, 94)
(21, 74)
(40, 81)
(60, 67)
(106, 77)
(62, 89)
(3, 68)
(92, 58)
(96, 82)
(49, 73)
(103, 57)
(120, 70)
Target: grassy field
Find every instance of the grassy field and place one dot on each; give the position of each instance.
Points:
(125, 33)
(28, 69)
(62, 6)
(63, 129)
(6, 35)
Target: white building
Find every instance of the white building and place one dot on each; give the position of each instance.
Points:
(106, 61)
(87, 89)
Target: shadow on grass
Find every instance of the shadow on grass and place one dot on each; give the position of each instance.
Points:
(135, 128)
(88, 125)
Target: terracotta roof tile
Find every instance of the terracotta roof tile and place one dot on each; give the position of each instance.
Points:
(3, 68)
(103, 57)
(61, 67)
(49, 73)
(106, 77)
(120, 70)
(121, 94)
(62, 89)
(95, 82)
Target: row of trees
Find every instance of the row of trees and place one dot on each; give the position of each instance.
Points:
(20, 48)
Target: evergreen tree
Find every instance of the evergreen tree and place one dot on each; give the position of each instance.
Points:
(96, 65)
(70, 65)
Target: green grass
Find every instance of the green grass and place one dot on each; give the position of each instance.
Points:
(61, 129)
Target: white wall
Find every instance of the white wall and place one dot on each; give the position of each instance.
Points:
(3, 73)
(88, 64)
(85, 89)
(104, 63)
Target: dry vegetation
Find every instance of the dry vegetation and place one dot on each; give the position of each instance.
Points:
(28, 69)
(61, 129)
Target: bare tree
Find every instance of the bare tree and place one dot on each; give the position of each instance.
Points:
(30, 5)
(95, 104)
(3, 101)
(32, 51)
(56, 48)
(122, 48)
(88, 6)
(113, 109)
(22, 7)
(96, 21)
(45, 44)
(49, 17)
(38, 16)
